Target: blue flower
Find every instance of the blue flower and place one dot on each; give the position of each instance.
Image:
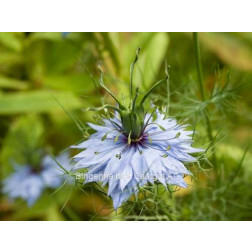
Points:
(28, 183)
(157, 154)
(134, 147)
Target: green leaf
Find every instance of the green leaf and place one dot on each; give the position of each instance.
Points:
(50, 58)
(37, 101)
(151, 57)
(51, 36)
(111, 47)
(79, 83)
(11, 83)
(11, 58)
(10, 40)
(127, 51)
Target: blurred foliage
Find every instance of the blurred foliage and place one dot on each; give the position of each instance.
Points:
(45, 75)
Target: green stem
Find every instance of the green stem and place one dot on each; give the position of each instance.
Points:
(131, 75)
(107, 89)
(199, 67)
(103, 107)
(135, 98)
(167, 67)
(202, 87)
(151, 90)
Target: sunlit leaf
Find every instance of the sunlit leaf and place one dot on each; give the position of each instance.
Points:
(111, 47)
(153, 50)
(37, 101)
(52, 36)
(11, 41)
(11, 83)
(10, 58)
(50, 57)
(78, 83)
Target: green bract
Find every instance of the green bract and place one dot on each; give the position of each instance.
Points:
(132, 117)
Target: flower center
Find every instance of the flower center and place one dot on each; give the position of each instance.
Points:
(36, 169)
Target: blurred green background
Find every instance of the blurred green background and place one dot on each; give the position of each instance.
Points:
(42, 72)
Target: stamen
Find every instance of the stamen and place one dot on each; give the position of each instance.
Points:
(116, 125)
(146, 124)
(166, 130)
(150, 146)
(120, 154)
(117, 136)
(105, 136)
(107, 150)
(149, 138)
(164, 139)
(140, 151)
(178, 134)
(168, 147)
(160, 126)
(129, 139)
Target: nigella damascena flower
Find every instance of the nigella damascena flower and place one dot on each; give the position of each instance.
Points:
(157, 154)
(134, 148)
(28, 182)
